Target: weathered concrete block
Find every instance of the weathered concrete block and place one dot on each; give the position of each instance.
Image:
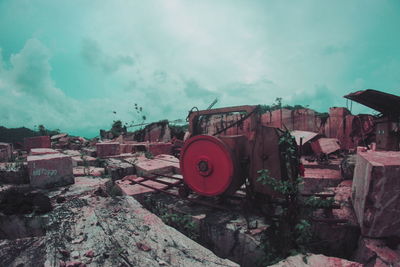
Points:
(107, 149)
(376, 197)
(50, 170)
(37, 142)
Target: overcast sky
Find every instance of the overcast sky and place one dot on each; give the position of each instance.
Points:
(70, 64)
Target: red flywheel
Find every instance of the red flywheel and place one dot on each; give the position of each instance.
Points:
(207, 165)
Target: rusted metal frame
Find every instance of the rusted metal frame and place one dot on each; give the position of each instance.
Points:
(176, 195)
(236, 122)
(193, 117)
(152, 187)
(168, 176)
(146, 178)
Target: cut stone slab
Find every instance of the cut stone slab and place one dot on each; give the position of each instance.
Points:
(159, 165)
(88, 171)
(58, 136)
(37, 142)
(42, 151)
(107, 149)
(316, 180)
(89, 151)
(118, 168)
(312, 260)
(376, 198)
(174, 161)
(50, 170)
(83, 161)
(72, 153)
(159, 148)
(325, 146)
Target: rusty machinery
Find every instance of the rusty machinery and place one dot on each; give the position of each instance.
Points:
(228, 146)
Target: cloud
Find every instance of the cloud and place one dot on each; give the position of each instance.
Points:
(94, 56)
(169, 56)
(194, 90)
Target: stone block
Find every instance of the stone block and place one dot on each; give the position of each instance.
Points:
(83, 161)
(71, 153)
(89, 151)
(107, 149)
(146, 166)
(173, 161)
(42, 151)
(325, 146)
(37, 142)
(119, 169)
(50, 170)
(376, 198)
(160, 148)
(316, 180)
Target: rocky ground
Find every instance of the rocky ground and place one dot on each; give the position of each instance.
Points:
(90, 228)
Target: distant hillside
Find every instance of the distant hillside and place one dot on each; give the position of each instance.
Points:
(14, 135)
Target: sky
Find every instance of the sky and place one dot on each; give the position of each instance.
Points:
(78, 65)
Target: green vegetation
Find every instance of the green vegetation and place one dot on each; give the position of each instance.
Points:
(290, 230)
(117, 129)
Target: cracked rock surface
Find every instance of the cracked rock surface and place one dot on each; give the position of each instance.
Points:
(92, 230)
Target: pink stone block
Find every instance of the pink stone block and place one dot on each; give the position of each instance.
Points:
(83, 161)
(376, 198)
(325, 146)
(160, 148)
(50, 170)
(107, 149)
(161, 164)
(37, 142)
(42, 151)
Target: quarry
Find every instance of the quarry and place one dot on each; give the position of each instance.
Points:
(252, 185)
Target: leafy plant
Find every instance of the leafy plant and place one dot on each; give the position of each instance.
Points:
(290, 230)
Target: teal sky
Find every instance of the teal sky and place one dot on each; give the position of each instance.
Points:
(70, 64)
